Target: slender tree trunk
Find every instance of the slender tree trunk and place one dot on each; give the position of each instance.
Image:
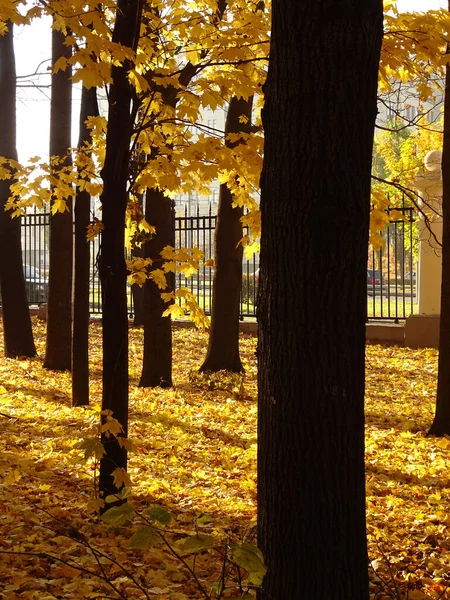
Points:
(223, 346)
(157, 360)
(80, 342)
(312, 297)
(59, 317)
(113, 272)
(17, 332)
(441, 422)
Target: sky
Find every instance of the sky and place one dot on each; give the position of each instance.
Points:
(32, 46)
(33, 50)
(420, 5)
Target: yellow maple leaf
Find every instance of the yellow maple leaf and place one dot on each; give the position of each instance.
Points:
(111, 426)
(159, 278)
(121, 478)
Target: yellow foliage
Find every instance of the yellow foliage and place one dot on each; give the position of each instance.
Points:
(121, 478)
(110, 425)
(195, 454)
(139, 273)
(159, 278)
(94, 229)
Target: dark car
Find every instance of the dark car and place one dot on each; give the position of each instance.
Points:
(411, 277)
(373, 277)
(36, 285)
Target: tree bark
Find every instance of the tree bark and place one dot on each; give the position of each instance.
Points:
(312, 297)
(17, 331)
(59, 317)
(223, 345)
(80, 342)
(441, 422)
(112, 267)
(157, 360)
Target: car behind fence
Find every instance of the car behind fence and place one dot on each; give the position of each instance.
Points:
(391, 270)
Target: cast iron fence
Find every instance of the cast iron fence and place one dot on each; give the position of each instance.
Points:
(391, 273)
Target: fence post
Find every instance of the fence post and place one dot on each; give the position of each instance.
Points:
(422, 329)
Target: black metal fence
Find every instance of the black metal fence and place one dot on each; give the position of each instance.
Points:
(392, 270)
(391, 279)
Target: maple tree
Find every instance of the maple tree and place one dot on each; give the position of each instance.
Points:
(59, 303)
(16, 316)
(315, 204)
(81, 309)
(412, 58)
(441, 421)
(112, 266)
(223, 344)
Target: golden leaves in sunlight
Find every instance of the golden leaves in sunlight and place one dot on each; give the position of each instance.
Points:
(194, 458)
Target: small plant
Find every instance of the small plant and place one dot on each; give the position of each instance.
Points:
(239, 570)
(226, 381)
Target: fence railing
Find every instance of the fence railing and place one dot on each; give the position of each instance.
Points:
(391, 279)
(391, 270)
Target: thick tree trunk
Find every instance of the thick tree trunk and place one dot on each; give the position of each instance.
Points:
(157, 361)
(312, 297)
(80, 342)
(17, 332)
(59, 319)
(441, 422)
(223, 346)
(113, 272)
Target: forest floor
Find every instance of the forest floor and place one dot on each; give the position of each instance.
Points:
(195, 455)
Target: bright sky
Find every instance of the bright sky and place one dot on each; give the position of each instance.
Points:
(33, 105)
(32, 47)
(420, 5)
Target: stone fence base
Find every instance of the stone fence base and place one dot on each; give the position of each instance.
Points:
(419, 331)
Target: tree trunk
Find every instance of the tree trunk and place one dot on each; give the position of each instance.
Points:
(17, 331)
(112, 267)
(441, 422)
(80, 342)
(157, 361)
(223, 346)
(312, 297)
(59, 317)
(137, 291)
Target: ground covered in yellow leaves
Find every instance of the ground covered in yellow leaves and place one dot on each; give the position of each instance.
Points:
(195, 456)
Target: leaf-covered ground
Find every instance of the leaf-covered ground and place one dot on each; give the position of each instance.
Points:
(195, 454)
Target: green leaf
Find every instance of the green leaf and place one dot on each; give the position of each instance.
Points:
(118, 515)
(196, 543)
(250, 558)
(124, 493)
(92, 447)
(204, 520)
(143, 537)
(160, 514)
